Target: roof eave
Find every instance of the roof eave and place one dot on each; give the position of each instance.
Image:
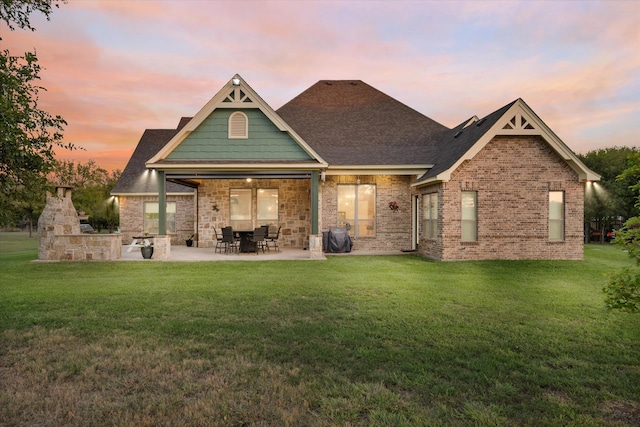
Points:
(418, 170)
(235, 166)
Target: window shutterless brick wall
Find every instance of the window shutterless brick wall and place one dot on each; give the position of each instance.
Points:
(513, 177)
(132, 217)
(393, 229)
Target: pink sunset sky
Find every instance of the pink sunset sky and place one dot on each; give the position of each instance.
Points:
(115, 68)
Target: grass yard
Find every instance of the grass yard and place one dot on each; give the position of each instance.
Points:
(351, 341)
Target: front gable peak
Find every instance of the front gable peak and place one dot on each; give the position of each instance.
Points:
(516, 118)
(236, 104)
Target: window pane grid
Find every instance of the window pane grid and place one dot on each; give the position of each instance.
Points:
(152, 217)
(556, 215)
(356, 208)
(469, 217)
(430, 215)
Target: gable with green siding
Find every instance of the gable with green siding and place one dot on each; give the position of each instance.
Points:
(210, 140)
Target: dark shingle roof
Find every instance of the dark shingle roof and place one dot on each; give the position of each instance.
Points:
(349, 122)
(457, 141)
(133, 177)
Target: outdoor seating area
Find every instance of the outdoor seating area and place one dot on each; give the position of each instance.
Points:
(230, 241)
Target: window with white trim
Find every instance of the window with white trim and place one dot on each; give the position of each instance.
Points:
(267, 209)
(430, 215)
(238, 125)
(243, 215)
(357, 208)
(469, 216)
(152, 217)
(556, 215)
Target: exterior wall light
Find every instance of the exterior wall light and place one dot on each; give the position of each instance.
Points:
(235, 81)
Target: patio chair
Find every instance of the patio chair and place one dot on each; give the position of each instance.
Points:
(258, 238)
(228, 240)
(272, 237)
(219, 242)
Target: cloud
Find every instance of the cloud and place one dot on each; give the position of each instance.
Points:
(114, 68)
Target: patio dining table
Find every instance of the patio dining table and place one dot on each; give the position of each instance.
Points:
(246, 245)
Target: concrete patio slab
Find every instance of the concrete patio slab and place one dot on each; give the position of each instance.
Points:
(184, 253)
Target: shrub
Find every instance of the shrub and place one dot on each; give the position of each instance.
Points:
(628, 237)
(623, 291)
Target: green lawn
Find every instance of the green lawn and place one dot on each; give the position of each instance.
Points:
(361, 340)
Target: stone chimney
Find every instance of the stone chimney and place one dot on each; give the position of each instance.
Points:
(58, 218)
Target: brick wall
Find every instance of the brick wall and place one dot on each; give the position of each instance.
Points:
(132, 217)
(431, 248)
(512, 177)
(393, 229)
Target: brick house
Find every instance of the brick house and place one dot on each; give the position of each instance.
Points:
(343, 154)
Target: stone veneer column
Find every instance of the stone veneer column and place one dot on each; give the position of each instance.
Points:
(161, 248)
(315, 247)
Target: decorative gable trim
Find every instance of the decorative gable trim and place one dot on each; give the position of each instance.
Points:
(235, 94)
(519, 119)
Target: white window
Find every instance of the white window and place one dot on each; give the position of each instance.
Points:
(152, 216)
(430, 215)
(242, 209)
(267, 201)
(238, 125)
(356, 209)
(556, 215)
(469, 216)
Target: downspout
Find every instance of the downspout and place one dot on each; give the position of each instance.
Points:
(197, 196)
(314, 203)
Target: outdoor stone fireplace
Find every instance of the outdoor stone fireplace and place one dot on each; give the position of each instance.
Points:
(60, 238)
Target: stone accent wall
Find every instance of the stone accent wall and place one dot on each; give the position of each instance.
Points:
(392, 229)
(294, 210)
(132, 217)
(60, 238)
(315, 247)
(161, 248)
(82, 247)
(512, 177)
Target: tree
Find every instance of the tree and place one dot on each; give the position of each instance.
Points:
(631, 175)
(28, 135)
(17, 12)
(610, 198)
(623, 288)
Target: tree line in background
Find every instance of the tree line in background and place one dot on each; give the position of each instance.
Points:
(609, 202)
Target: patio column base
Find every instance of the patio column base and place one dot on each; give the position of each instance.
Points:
(315, 247)
(161, 248)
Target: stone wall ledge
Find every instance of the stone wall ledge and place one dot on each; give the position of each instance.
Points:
(81, 247)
